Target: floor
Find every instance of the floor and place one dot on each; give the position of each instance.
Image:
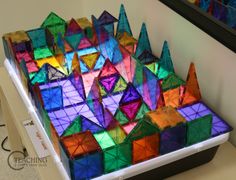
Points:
(6, 173)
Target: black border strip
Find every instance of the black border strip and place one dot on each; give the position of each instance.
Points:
(218, 30)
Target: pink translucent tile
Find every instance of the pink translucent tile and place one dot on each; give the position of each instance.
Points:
(88, 80)
(31, 66)
(23, 55)
(129, 127)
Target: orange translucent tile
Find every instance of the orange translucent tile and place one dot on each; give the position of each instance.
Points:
(145, 148)
(192, 91)
(76, 64)
(165, 117)
(172, 97)
(80, 143)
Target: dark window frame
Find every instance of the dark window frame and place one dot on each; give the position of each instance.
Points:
(218, 30)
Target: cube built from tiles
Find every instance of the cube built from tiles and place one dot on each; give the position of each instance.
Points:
(82, 155)
(145, 141)
(172, 128)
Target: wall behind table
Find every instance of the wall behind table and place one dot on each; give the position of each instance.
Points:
(216, 64)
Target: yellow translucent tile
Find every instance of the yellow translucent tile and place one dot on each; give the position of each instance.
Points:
(84, 22)
(126, 40)
(52, 61)
(17, 37)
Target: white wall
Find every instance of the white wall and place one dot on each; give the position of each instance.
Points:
(216, 64)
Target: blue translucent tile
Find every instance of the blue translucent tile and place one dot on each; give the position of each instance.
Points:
(173, 139)
(52, 98)
(87, 167)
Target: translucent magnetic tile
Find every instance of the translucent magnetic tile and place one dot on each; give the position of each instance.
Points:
(42, 53)
(31, 66)
(129, 127)
(70, 94)
(104, 140)
(80, 144)
(86, 51)
(112, 102)
(108, 48)
(52, 98)
(50, 60)
(87, 167)
(61, 119)
(88, 80)
(198, 110)
(23, 55)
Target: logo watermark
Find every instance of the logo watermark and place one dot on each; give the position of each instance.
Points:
(17, 160)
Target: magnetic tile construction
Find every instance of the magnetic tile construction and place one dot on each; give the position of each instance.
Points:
(105, 100)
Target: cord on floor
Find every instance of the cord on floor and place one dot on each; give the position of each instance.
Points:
(3, 143)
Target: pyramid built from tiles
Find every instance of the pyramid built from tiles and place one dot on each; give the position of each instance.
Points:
(106, 100)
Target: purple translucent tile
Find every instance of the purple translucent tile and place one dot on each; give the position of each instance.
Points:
(198, 110)
(130, 94)
(112, 102)
(61, 119)
(198, 107)
(87, 124)
(173, 139)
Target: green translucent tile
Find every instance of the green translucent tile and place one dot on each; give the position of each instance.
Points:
(41, 53)
(142, 129)
(165, 63)
(142, 111)
(74, 40)
(117, 157)
(56, 30)
(89, 32)
(143, 42)
(162, 73)
(121, 117)
(123, 23)
(74, 127)
(153, 67)
(53, 19)
(199, 129)
(46, 122)
(104, 140)
(117, 134)
(102, 91)
(120, 85)
(31, 75)
(171, 82)
(40, 76)
(138, 75)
